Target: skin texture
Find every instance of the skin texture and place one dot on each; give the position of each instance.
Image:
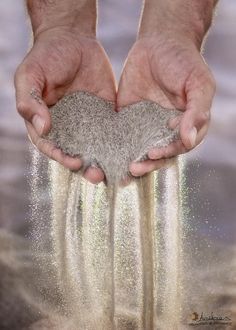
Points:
(164, 66)
(65, 57)
(172, 73)
(191, 19)
(79, 15)
(61, 61)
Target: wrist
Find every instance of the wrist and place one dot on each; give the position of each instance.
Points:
(190, 20)
(79, 17)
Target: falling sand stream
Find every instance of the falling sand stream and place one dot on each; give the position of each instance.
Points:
(109, 245)
(116, 251)
(107, 257)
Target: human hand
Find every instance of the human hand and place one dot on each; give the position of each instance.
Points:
(65, 57)
(59, 63)
(165, 66)
(169, 70)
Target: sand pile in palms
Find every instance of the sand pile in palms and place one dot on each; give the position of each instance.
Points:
(87, 126)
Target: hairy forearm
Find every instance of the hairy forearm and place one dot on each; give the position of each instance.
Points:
(191, 18)
(79, 15)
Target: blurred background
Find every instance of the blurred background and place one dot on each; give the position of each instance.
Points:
(210, 169)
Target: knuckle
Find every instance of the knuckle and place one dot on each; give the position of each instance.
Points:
(23, 109)
(204, 116)
(20, 72)
(210, 81)
(16, 75)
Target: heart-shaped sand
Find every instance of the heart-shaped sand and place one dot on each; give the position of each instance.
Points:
(88, 126)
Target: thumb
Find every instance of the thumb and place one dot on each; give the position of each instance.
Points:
(29, 84)
(196, 117)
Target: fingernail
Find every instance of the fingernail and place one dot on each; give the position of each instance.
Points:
(193, 136)
(39, 124)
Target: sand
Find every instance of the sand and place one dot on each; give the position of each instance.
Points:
(28, 311)
(105, 238)
(107, 249)
(119, 255)
(107, 257)
(87, 126)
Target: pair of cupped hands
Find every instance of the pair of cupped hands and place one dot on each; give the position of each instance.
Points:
(166, 69)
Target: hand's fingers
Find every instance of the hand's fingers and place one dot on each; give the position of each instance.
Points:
(197, 115)
(141, 168)
(94, 175)
(174, 122)
(29, 85)
(201, 134)
(51, 151)
(173, 149)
